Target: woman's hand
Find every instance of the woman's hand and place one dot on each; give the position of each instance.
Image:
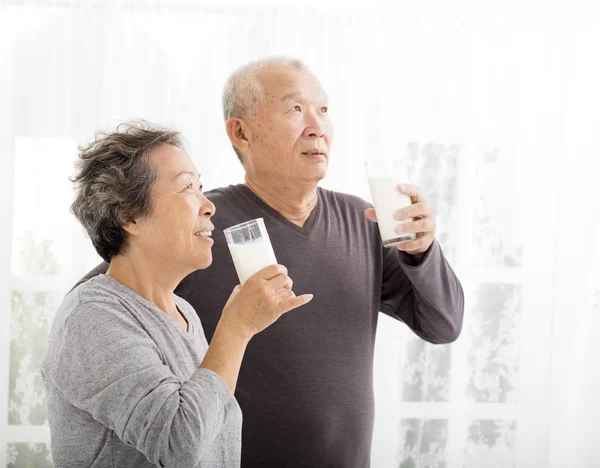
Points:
(261, 300)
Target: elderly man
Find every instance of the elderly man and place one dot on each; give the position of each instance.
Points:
(306, 384)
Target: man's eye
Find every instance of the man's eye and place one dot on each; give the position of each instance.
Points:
(324, 109)
(297, 108)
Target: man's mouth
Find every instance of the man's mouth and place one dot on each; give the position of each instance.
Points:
(203, 233)
(313, 153)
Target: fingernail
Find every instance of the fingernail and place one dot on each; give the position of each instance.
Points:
(398, 215)
(399, 229)
(402, 187)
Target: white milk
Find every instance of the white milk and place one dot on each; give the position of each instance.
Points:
(387, 199)
(249, 258)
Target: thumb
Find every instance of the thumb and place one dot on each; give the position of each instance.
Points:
(294, 302)
(370, 214)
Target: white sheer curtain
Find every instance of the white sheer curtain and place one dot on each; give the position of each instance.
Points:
(496, 113)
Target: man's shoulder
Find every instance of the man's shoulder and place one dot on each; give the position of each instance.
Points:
(343, 200)
(231, 193)
(235, 204)
(99, 269)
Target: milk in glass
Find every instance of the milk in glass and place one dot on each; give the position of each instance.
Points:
(384, 178)
(250, 247)
(250, 258)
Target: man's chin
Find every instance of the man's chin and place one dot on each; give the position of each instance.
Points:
(323, 171)
(314, 177)
(318, 167)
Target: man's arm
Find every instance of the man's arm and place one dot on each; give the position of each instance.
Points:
(428, 297)
(418, 285)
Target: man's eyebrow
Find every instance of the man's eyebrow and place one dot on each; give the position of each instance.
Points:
(297, 95)
(290, 97)
(188, 173)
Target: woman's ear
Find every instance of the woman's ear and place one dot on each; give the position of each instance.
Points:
(131, 225)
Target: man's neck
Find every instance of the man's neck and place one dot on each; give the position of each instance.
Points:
(293, 202)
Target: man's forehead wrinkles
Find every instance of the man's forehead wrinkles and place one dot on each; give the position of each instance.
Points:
(291, 96)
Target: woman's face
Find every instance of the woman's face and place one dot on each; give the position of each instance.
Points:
(176, 232)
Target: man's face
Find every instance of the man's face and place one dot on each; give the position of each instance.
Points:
(175, 231)
(291, 133)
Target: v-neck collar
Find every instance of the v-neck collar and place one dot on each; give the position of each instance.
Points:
(310, 222)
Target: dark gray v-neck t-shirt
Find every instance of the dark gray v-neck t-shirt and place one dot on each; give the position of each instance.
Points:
(125, 388)
(306, 382)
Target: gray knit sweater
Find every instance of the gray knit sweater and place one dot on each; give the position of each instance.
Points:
(125, 388)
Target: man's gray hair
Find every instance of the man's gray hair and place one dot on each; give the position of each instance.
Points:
(114, 181)
(243, 90)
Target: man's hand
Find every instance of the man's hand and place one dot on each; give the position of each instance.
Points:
(423, 224)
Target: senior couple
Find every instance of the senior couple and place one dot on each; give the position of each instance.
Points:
(153, 358)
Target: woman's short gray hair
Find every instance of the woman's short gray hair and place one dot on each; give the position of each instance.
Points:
(243, 90)
(114, 180)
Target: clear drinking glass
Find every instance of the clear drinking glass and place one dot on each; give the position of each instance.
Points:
(250, 247)
(384, 178)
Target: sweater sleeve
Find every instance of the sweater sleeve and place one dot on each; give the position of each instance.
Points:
(427, 297)
(108, 366)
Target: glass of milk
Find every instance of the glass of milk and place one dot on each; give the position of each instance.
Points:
(384, 178)
(250, 247)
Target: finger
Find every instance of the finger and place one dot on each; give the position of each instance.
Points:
(422, 225)
(281, 282)
(413, 191)
(371, 215)
(419, 245)
(283, 294)
(270, 272)
(420, 209)
(294, 302)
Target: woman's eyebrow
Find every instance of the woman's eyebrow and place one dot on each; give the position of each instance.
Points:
(188, 173)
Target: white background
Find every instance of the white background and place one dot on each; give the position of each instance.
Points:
(515, 79)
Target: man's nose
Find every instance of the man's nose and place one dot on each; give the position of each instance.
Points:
(314, 132)
(314, 129)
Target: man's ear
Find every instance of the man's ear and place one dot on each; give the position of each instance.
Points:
(238, 133)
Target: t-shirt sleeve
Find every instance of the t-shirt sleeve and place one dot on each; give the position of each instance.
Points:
(108, 366)
(427, 297)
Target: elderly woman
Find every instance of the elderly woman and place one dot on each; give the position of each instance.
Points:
(131, 380)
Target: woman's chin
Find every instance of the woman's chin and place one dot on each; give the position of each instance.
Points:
(204, 263)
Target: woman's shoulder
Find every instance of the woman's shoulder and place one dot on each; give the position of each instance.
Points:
(97, 298)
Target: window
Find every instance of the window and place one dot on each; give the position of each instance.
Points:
(47, 251)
